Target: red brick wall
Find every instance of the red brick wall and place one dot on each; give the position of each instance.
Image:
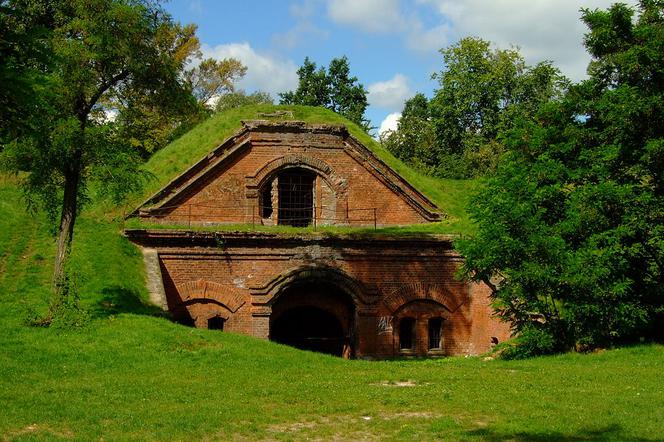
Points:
(351, 183)
(239, 277)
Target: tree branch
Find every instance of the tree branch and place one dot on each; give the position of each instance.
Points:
(103, 88)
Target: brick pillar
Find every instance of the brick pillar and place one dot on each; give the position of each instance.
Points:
(154, 278)
(260, 321)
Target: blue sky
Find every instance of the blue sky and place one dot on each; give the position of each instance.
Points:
(392, 45)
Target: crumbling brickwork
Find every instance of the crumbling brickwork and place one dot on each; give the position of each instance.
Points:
(237, 181)
(247, 279)
(353, 296)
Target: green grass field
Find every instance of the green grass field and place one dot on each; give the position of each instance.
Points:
(130, 374)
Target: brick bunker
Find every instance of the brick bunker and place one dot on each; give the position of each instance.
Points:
(352, 295)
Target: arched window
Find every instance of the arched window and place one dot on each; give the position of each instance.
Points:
(296, 197)
(435, 333)
(266, 200)
(294, 188)
(407, 334)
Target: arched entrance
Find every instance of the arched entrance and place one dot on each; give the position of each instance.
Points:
(316, 316)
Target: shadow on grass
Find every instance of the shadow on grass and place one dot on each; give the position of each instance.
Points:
(116, 300)
(610, 432)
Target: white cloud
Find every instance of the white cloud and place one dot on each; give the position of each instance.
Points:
(390, 94)
(303, 32)
(428, 40)
(390, 122)
(368, 15)
(542, 29)
(264, 72)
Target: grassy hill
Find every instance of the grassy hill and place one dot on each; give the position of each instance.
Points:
(450, 195)
(130, 374)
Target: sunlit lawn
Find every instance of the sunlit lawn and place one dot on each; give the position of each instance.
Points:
(131, 374)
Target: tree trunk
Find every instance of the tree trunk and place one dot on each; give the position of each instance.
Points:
(66, 230)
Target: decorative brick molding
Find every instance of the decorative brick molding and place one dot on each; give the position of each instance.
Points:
(421, 292)
(223, 186)
(316, 165)
(248, 279)
(361, 294)
(201, 289)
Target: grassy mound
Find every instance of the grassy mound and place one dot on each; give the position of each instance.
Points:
(130, 374)
(450, 195)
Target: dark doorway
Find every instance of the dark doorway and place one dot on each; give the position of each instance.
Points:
(310, 328)
(314, 315)
(216, 323)
(407, 334)
(296, 197)
(435, 329)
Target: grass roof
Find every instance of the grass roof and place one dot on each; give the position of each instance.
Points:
(450, 196)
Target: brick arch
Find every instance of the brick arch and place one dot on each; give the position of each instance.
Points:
(222, 310)
(268, 294)
(419, 291)
(212, 291)
(316, 165)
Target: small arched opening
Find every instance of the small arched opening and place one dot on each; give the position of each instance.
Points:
(314, 315)
(421, 328)
(216, 323)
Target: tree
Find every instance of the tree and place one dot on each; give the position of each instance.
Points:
(414, 141)
(571, 228)
(241, 98)
(482, 91)
(212, 78)
(347, 96)
(23, 56)
(150, 121)
(313, 88)
(103, 52)
(332, 88)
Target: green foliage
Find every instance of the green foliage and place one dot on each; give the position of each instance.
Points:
(101, 53)
(482, 91)
(241, 98)
(104, 52)
(150, 119)
(333, 88)
(570, 228)
(212, 78)
(23, 56)
(532, 341)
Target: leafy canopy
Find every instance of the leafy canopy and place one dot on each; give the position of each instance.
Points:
(571, 228)
(241, 98)
(100, 52)
(482, 91)
(333, 88)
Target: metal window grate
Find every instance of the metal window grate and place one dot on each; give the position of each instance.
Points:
(435, 328)
(296, 198)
